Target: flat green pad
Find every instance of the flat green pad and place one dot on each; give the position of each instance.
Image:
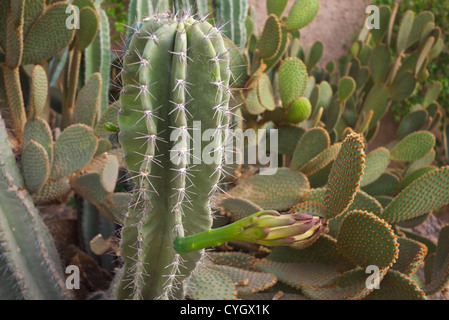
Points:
(48, 35)
(88, 101)
(36, 166)
(427, 193)
(238, 208)
(411, 256)
(279, 191)
(397, 286)
(440, 275)
(365, 239)
(345, 176)
(270, 42)
(376, 163)
(209, 284)
(247, 282)
(413, 147)
(302, 13)
(346, 88)
(312, 143)
(73, 150)
(321, 160)
(233, 259)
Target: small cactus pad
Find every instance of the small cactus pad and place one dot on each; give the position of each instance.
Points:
(302, 13)
(345, 176)
(36, 166)
(271, 39)
(73, 150)
(367, 240)
(293, 80)
(426, 193)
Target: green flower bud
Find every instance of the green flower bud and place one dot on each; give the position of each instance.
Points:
(268, 228)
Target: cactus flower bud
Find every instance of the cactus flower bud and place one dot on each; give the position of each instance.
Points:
(268, 228)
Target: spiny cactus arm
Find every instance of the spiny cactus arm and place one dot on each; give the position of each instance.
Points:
(27, 249)
(232, 14)
(155, 108)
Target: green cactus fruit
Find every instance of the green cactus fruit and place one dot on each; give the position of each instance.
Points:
(302, 13)
(426, 193)
(293, 80)
(176, 74)
(345, 176)
(299, 110)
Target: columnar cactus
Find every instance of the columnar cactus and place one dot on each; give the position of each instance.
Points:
(176, 75)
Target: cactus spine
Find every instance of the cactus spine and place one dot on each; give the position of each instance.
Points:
(176, 72)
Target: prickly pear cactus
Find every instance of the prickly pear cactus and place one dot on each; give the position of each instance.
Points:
(175, 78)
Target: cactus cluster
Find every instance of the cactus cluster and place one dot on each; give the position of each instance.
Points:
(58, 147)
(363, 231)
